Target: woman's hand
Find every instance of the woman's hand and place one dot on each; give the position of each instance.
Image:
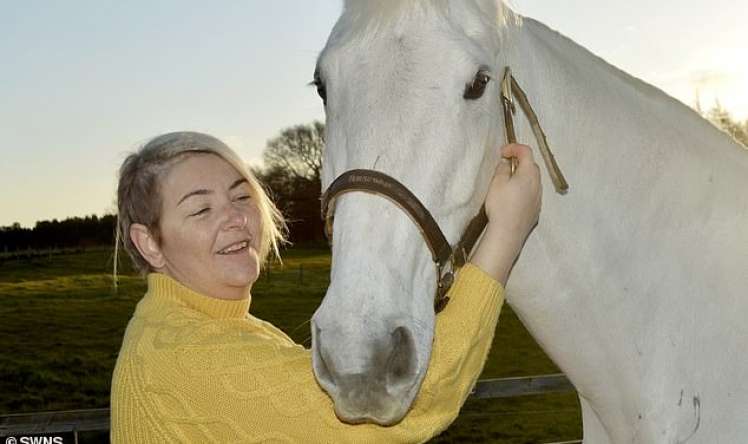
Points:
(513, 207)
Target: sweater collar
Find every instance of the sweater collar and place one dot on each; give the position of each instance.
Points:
(164, 287)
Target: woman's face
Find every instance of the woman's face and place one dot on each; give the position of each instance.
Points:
(210, 227)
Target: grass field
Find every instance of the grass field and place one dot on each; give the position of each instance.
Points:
(61, 326)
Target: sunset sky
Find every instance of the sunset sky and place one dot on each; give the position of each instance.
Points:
(84, 82)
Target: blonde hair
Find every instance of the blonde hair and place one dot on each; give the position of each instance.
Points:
(139, 194)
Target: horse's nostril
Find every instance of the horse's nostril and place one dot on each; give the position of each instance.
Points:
(401, 366)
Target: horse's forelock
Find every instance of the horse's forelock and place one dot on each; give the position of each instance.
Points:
(493, 13)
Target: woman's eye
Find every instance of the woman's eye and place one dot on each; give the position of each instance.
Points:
(244, 197)
(203, 211)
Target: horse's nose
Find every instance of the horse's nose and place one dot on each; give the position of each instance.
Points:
(373, 386)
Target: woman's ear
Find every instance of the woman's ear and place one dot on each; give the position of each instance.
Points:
(147, 245)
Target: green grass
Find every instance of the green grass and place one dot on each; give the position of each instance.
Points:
(61, 326)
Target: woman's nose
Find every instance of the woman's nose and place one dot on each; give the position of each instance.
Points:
(235, 218)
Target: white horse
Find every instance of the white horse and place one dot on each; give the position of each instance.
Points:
(635, 282)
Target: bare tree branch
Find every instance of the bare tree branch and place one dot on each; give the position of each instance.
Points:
(298, 151)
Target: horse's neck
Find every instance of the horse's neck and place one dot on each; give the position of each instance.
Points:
(621, 143)
(578, 95)
(634, 159)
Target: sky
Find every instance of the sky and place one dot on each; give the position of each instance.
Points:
(82, 83)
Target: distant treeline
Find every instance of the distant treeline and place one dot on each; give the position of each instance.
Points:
(69, 233)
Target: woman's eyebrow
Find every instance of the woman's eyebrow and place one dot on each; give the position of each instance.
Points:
(238, 182)
(194, 193)
(201, 192)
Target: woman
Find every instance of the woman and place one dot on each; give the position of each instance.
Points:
(196, 367)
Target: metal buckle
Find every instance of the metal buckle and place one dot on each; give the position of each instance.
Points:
(443, 284)
(506, 90)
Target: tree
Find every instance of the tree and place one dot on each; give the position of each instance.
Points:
(297, 151)
(722, 119)
(292, 178)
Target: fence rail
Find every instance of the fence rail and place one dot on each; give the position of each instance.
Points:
(521, 386)
(98, 419)
(89, 420)
(29, 254)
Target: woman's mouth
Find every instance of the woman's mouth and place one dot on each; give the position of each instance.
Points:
(236, 248)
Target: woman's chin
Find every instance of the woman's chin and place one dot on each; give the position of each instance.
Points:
(241, 273)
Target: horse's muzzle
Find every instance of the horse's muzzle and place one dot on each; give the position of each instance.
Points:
(379, 391)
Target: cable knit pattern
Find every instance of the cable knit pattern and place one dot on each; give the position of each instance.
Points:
(198, 369)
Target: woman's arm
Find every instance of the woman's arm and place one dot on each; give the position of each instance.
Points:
(241, 381)
(513, 207)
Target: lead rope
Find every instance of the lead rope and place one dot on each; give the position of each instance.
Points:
(509, 89)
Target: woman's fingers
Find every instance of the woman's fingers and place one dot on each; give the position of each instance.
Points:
(522, 153)
(504, 169)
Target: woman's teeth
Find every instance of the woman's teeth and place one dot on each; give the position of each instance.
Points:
(234, 248)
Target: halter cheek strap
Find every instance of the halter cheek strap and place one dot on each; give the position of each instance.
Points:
(446, 258)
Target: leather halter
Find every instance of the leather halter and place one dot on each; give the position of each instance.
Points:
(446, 258)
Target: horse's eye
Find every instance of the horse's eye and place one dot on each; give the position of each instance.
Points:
(476, 89)
(320, 85)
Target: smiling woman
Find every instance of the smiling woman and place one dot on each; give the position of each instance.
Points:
(152, 179)
(195, 366)
(210, 236)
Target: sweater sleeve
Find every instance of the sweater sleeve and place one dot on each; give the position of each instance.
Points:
(231, 382)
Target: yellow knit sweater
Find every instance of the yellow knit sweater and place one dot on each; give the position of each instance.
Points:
(198, 369)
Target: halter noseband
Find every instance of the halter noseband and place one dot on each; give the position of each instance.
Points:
(446, 258)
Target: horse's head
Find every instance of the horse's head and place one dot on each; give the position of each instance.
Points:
(411, 89)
